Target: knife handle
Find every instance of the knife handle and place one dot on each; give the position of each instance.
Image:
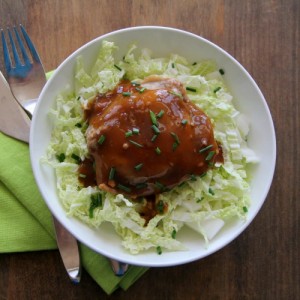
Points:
(69, 251)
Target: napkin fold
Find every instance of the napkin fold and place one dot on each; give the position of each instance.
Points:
(26, 223)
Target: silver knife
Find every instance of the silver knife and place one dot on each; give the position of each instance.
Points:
(15, 122)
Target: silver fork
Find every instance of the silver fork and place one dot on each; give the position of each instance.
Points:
(26, 79)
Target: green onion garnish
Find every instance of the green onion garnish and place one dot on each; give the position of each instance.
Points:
(160, 186)
(140, 90)
(160, 114)
(222, 72)
(141, 185)
(245, 209)
(96, 201)
(117, 67)
(160, 206)
(191, 89)
(217, 89)
(153, 118)
(210, 155)
(205, 148)
(76, 157)
(61, 157)
(136, 144)
(184, 122)
(174, 146)
(176, 138)
(101, 139)
(128, 133)
(193, 177)
(139, 166)
(203, 175)
(112, 173)
(78, 125)
(174, 233)
(126, 94)
(154, 137)
(135, 131)
(124, 188)
(135, 83)
(173, 65)
(157, 150)
(199, 199)
(82, 175)
(155, 129)
(210, 190)
(158, 250)
(194, 64)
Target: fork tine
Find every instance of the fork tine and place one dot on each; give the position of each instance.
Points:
(33, 52)
(14, 49)
(21, 45)
(7, 61)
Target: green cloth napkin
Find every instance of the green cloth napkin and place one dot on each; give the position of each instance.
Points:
(26, 222)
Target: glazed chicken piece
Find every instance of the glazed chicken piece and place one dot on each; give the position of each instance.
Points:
(145, 138)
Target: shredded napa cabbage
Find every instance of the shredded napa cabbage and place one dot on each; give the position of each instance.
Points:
(204, 204)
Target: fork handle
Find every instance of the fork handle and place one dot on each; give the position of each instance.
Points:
(68, 248)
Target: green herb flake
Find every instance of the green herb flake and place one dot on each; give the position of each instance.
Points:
(101, 139)
(210, 190)
(176, 138)
(176, 94)
(155, 129)
(200, 199)
(205, 148)
(184, 121)
(82, 175)
(173, 235)
(173, 65)
(135, 131)
(222, 72)
(136, 144)
(124, 188)
(61, 157)
(140, 90)
(112, 173)
(153, 118)
(160, 114)
(157, 150)
(193, 177)
(134, 83)
(126, 94)
(217, 89)
(245, 209)
(96, 201)
(78, 125)
(158, 250)
(160, 206)
(139, 166)
(141, 185)
(210, 155)
(128, 133)
(76, 158)
(191, 89)
(117, 67)
(160, 186)
(154, 137)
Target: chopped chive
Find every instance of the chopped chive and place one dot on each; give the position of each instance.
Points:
(160, 206)
(153, 118)
(96, 201)
(129, 133)
(160, 186)
(61, 157)
(210, 155)
(176, 94)
(194, 64)
(76, 157)
(203, 175)
(126, 94)
(176, 138)
(141, 185)
(155, 129)
(173, 235)
(174, 146)
(78, 98)
(158, 250)
(217, 89)
(136, 144)
(193, 177)
(173, 65)
(160, 114)
(222, 72)
(191, 89)
(135, 83)
(139, 166)
(135, 131)
(124, 188)
(140, 90)
(78, 125)
(112, 173)
(210, 190)
(154, 137)
(117, 67)
(82, 175)
(245, 209)
(184, 122)
(157, 150)
(101, 139)
(205, 148)
(199, 199)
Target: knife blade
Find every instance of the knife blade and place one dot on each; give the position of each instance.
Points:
(15, 122)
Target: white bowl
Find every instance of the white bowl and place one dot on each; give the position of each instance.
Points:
(249, 100)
